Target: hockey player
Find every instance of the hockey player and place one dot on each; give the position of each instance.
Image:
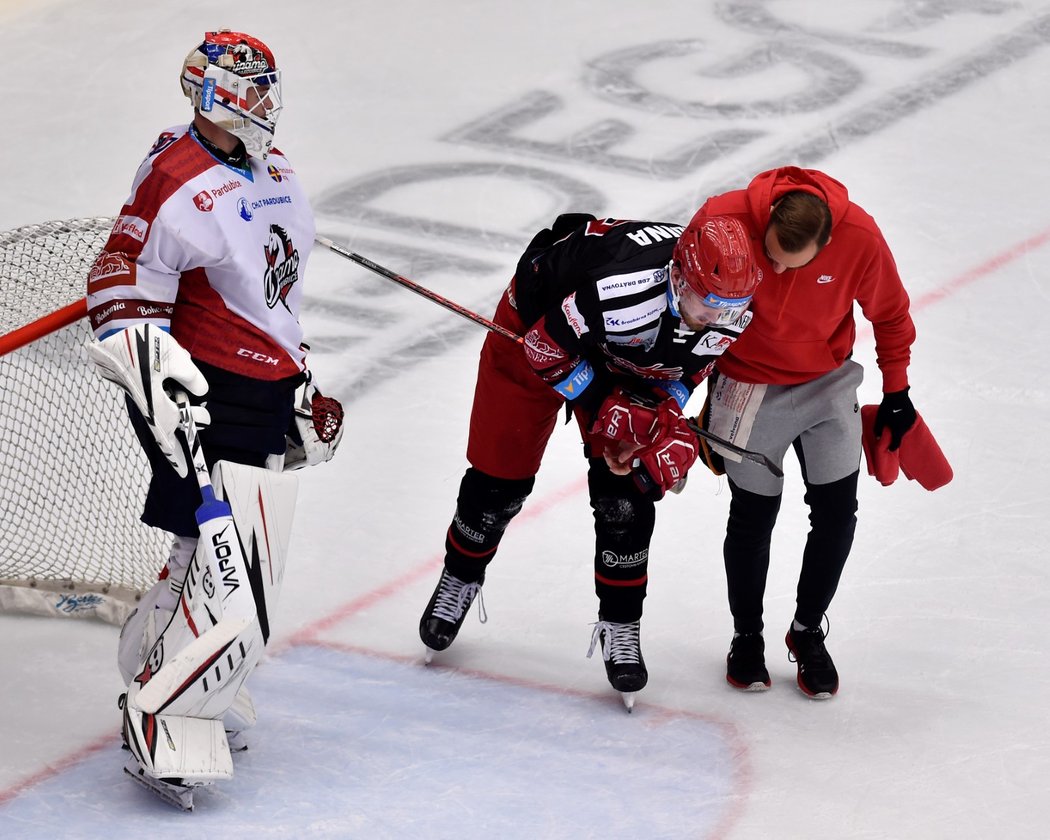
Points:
(198, 289)
(621, 320)
(790, 383)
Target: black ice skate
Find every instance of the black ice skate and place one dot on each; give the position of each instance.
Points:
(817, 676)
(445, 613)
(622, 652)
(746, 663)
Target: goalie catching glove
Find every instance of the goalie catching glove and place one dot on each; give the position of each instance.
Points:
(317, 427)
(146, 362)
(654, 438)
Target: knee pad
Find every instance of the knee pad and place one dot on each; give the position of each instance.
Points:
(484, 509)
(622, 514)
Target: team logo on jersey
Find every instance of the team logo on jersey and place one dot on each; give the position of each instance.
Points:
(244, 209)
(274, 173)
(282, 267)
(204, 201)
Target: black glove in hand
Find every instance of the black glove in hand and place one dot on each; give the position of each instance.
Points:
(897, 414)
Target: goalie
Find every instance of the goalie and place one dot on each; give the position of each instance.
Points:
(198, 290)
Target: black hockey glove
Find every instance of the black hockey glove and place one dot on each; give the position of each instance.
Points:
(897, 414)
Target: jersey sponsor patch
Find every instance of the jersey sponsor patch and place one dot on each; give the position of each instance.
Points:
(204, 201)
(633, 317)
(582, 375)
(131, 226)
(573, 316)
(619, 285)
(646, 339)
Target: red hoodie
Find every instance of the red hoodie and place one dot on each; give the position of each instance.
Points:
(803, 323)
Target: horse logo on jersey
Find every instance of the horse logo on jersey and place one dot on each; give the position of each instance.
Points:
(282, 267)
(204, 201)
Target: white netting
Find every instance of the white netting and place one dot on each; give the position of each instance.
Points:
(73, 477)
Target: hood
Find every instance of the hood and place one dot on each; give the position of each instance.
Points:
(767, 187)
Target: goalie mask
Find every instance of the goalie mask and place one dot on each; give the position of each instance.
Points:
(714, 272)
(233, 81)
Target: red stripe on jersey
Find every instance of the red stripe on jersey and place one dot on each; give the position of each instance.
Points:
(182, 160)
(159, 312)
(212, 333)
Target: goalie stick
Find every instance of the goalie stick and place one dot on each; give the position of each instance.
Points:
(750, 455)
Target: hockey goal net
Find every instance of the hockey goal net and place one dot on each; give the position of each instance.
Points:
(73, 476)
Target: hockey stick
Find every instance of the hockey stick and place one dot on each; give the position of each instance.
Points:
(757, 457)
(419, 290)
(218, 533)
(749, 454)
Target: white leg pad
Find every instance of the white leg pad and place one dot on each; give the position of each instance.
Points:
(183, 750)
(219, 630)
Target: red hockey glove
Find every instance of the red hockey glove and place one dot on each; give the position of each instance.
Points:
(627, 419)
(668, 460)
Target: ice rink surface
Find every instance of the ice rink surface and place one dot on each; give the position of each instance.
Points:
(435, 139)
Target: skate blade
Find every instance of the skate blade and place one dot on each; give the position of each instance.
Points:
(428, 655)
(628, 699)
(181, 796)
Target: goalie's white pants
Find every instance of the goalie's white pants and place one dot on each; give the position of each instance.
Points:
(192, 675)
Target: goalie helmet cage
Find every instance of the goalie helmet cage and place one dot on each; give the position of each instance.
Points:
(73, 476)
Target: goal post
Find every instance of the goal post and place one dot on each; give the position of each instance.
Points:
(73, 476)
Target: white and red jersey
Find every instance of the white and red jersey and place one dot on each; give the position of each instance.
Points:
(212, 252)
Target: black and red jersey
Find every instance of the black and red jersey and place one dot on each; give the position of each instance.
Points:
(596, 299)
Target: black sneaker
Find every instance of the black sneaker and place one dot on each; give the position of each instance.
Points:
(447, 608)
(817, 676)
(622, 652)
(746, 663)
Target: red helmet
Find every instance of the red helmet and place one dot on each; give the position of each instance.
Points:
(716, 259)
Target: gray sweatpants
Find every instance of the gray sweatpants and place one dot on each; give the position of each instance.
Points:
(823, 414)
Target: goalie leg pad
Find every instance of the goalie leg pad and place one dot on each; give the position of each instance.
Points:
(201, 660)
(179, 750)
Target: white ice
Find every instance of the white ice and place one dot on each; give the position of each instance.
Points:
(404, 120)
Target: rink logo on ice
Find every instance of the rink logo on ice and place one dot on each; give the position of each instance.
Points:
(78, 604)
(623, 561)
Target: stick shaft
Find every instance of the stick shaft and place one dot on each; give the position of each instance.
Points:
(452, 306)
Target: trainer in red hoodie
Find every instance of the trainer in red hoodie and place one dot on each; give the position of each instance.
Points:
(788, 382)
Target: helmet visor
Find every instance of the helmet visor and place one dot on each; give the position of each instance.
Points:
(705, 310)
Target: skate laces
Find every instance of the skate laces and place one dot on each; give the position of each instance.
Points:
(620, 642)
(454, 598)
(809, 646)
